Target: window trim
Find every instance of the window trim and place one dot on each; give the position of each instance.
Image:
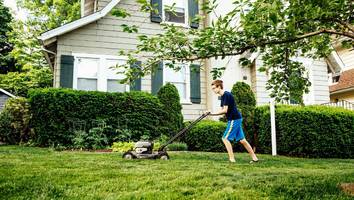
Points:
(187, 100)
(102, 73)
(186, 15)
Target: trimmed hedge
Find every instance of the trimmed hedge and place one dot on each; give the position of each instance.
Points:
(312, 131)
(58, 113)
(206, 136)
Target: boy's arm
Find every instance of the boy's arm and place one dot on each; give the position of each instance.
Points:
(221, 112)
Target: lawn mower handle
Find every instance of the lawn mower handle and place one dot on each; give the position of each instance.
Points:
(184, 130)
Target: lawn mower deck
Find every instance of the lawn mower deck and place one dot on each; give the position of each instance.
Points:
(144, 149)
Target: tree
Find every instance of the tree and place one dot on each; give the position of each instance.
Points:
(7, 62)
(18, 83)
(43, 15)
(51, 14)
(278, 29)
(25, 47)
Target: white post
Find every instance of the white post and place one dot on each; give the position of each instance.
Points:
(272, 122)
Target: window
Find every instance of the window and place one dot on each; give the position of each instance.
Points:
(87, 73)
(180, 79)
(335, 78)
(113, 78)
(178, 14)
(95, 73)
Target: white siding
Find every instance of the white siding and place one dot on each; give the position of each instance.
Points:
(106, 37)
(319, 90)
(347, 56)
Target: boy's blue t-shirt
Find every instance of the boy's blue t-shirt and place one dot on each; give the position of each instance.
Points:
(228, 100)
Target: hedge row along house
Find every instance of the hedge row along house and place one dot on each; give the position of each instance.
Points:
(82, 52)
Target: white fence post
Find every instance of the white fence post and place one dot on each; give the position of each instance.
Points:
(272, 122)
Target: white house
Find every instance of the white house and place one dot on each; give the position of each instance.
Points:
(81, 53)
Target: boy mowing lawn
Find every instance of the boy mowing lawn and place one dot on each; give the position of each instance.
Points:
(234, 121)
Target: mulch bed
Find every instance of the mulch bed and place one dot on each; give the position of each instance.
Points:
(347, 188)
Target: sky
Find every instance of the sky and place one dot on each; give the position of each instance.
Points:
(19, 14)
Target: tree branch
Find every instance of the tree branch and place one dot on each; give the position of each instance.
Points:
(263, 44)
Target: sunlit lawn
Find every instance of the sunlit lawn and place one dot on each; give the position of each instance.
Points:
(40, 173)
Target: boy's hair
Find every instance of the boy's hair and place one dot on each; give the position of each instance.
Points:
(217, 83)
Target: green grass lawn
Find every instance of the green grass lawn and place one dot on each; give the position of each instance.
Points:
(36, 173)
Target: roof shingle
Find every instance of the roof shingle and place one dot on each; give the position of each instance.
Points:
(346, 80)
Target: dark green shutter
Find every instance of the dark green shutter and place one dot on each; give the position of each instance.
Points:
(66, 71)
(193, 10)
(157, 79)
(157, 5)
(136, 84)
(195, 83)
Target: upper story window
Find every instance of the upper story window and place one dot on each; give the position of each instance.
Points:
(175, 11)
(335, 78)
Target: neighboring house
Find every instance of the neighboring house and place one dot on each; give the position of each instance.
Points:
(343, 89)
(317, 70)
(4, 96)
(82, 52)
(341, 75)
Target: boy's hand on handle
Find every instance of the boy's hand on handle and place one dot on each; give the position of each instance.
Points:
(207, 112)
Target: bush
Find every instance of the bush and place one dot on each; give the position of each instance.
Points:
(312, 131)
(6, 130)
(66, 111)
(14, 122)
(94, 139)
(206, 136)
(122, 146)
(246, 103)
(177, 146)
(243, 94)
(169, 97)
(127, 146)
(18, 83)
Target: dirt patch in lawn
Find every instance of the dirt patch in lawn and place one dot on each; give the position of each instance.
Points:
(347, 188)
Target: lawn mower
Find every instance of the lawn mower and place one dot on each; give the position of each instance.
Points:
(144, 149)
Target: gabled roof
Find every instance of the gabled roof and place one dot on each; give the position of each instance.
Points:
(345, 83)
(7, 93)
(79, 23)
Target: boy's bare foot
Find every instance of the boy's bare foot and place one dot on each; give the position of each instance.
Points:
(232, 160)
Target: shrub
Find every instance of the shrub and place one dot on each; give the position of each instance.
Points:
(6, 131)
(14, 122)
(127, 146)
(206, 136)
(312, 131)
(94, 139)
(243, 94)
(66, 111)
(18, 83)
(246, 103)
(169, 97)
(122, 146)
(177, 146)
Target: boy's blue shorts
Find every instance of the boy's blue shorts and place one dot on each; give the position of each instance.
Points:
(234, 130)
